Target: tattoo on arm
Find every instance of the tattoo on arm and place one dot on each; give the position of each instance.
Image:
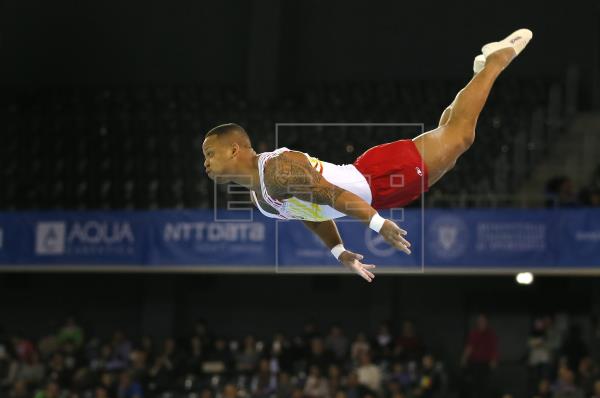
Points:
(291, 174)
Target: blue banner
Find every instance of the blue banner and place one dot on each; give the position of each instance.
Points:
(298, 246)
(199, 238)
(441, 239)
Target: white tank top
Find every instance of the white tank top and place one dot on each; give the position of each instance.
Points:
(344, 176)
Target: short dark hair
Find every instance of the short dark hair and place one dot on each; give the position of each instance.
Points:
(231, 128)
(226, 129)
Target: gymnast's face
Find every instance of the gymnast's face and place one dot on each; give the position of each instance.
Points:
(218, 158)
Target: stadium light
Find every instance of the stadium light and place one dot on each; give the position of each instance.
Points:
(524, 278)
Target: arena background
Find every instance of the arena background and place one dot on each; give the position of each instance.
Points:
(103, 109)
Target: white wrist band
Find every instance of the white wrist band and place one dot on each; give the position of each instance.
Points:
(337, 250)
(376, 222)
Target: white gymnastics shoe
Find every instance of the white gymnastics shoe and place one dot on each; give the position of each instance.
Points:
(478, 63)
(516, 40)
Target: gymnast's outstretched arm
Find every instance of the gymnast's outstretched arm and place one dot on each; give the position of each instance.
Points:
(291, 175)
(328, 233)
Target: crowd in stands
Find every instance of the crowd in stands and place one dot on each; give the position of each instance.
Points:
(561, 191)
(72, 364)
(561, 360)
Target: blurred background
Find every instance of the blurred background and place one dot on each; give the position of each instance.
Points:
(116, 282)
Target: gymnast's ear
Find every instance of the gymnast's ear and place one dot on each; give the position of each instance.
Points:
(235, 149)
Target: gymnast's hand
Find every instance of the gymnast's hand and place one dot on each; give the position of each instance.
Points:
(352, 262)
(394, 235)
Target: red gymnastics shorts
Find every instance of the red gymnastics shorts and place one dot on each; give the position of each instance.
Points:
(395, 172)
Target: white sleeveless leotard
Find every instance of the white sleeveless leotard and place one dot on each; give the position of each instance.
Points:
(344, 176)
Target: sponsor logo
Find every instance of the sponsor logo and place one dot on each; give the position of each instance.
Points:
(587, 236)
(214, 232)
(84, 238)
(50, 238)
(217, 238)
(513, 41)
(95, 232)
(419, 172)
(510, 237)
(448, 237)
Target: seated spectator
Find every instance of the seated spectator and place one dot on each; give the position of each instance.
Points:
(19, 390)
(391, 388)
(596, 393)
(146, 344)
(586, 375)
(52, 390)
(402, 376)
(595, 339)
(207, 393)
(309, 332)
(70, 332)
(121, 346)
(107, 360)
(555, 330)
(408, 346)
(573, 346)
(138, 366)
(359, 346)
(284, 386)
(316, 386)
(539, 352)
(337, 342)
(398, 395)
(369, 374)
(166, 366)
(247, 359)
(129, 388)
(431, 379)
(334, 376)
(281, 350)
(101, 392)
(590, 196)
(318, 355)
(560, 192)
(543, 389)
(594, 188)
(565, 386)
(32, 371)
(230, 391)
(353, 387)
(219, 359)
(108, 382)
(82, 380)
(22, 347)
(196, 355)
(72, 357)
(383, 341)
(202, 331)
(47, 346)
(57, 371)
(264, 382)
(297, 392)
